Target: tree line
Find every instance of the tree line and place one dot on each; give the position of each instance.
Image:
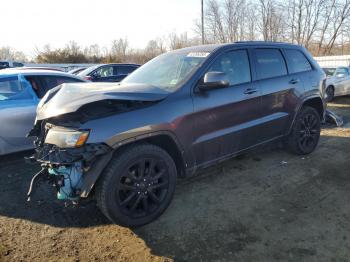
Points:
(322, 26)
(120, 51)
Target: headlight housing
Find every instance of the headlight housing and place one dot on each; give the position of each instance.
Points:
(66, 138)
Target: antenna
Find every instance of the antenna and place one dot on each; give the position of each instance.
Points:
(202, 16)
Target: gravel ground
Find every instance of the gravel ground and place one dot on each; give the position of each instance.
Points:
(267, 205)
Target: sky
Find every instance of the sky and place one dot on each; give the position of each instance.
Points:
(30, 24)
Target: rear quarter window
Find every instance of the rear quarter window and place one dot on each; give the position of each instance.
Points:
(297, 62)
(270, 63)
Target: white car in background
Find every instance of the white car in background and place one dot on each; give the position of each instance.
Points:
(339, 83)
(9, 64)
(20, 93)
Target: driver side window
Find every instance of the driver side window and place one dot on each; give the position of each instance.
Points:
(104, 71)
(235, 64)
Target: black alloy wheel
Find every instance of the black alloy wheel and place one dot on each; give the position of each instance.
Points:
(137, 186)
(309, 132)
(330, 93)
(305, 132)
(142, 187)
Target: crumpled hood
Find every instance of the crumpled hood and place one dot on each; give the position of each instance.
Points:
(69, 97)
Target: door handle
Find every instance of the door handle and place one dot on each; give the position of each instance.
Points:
(250, 91)
(294, 81)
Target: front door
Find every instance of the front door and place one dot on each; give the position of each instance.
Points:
(225, 119)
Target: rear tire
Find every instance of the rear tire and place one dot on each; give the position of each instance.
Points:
(305, 132)
(137, 186)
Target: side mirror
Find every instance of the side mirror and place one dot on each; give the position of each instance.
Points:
(214, 80)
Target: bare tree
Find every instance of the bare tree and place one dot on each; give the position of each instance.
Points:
(178, 41)
(272, 23)
(214, 22)
(120, 48)
(340, 16)
(8, 53)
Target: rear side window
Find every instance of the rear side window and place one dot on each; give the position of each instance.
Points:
(11, 88)
(297, 62)
(125, 70)
(270, 63)
(235, 64)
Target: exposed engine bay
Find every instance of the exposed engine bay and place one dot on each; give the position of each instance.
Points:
(67, 168)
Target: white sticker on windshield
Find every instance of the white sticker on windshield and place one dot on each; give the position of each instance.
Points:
(173, 82)
(198, 54)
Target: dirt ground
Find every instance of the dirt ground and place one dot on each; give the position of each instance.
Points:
(264, 206)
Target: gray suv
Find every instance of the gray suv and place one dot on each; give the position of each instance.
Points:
(126, 144)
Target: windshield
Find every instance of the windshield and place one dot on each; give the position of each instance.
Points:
(168, 70)
(329, 71)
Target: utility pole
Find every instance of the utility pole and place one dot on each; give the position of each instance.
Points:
(202, 13)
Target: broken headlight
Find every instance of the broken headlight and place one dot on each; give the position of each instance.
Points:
(66, 138)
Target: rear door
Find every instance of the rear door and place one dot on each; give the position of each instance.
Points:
(17, 113)
(225, 119)
(279, 92)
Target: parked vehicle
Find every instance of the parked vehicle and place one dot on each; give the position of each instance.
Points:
(108, 72)
(36, 68)
(329, 71)
(76, 71)
(9, 64)
(339, 83)
(182, 111)
(20, 92)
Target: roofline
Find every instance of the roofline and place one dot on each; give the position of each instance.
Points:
(37, 72)
(126, 64)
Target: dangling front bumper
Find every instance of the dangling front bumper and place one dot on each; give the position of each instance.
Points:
(73, 171)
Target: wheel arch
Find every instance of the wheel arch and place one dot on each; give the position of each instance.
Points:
(330, 85)
(163, 139)
(315, 102)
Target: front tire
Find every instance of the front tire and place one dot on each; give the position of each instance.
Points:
(330, 93)
(305, 132)
(137, 186)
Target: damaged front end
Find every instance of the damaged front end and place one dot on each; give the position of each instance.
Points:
(67, 162)
(68, 158)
